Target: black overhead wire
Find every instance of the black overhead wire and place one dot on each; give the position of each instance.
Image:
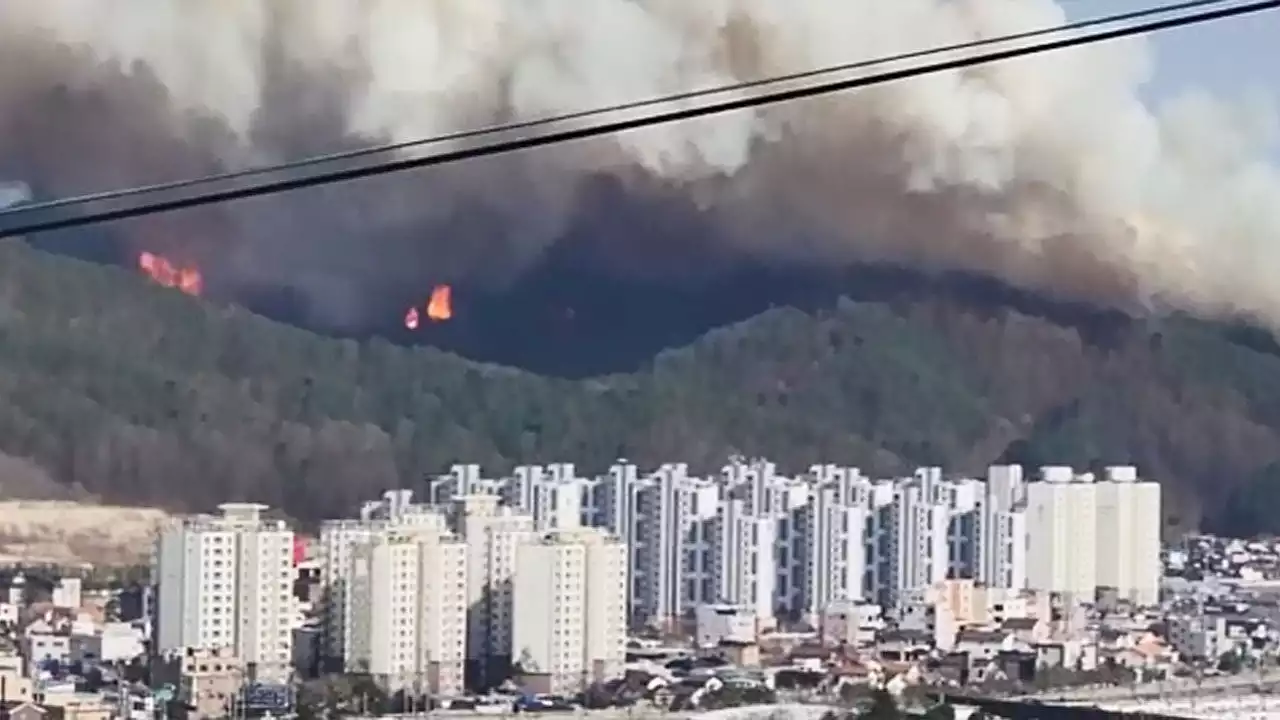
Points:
(268, 187)
(553, 120)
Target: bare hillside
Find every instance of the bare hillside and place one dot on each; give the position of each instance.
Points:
(64, 532)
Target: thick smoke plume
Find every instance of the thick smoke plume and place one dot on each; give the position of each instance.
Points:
(1049, 172)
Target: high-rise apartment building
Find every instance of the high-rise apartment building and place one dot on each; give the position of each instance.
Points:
(461, 480)
(406, 604)
(1004, 529)
(919, 552)
(743, 553)
(227, 582)
(965, 501)
(1085, 534)
(477, 528)
(669, 507)
(752, 537)
(492, 533)
(822, 542)
(611, 503)
(1062, 547)
(1129, 519)
(570, 601)
(880, 543)
(338, 539)
(552, 495)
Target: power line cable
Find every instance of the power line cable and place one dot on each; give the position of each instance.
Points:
(1164, 9)
(619, 126)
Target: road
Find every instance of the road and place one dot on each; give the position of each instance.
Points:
(752, 712)
(1254, 707)
(1243, 684)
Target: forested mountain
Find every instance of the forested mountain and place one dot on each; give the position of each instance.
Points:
(140, 394)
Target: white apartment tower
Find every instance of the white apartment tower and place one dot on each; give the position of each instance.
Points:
(880, 576)
(668, 504)
(1062, 521)
(743, 559)
(461, 480)
(1086, 534)
(492, 533)
(919, 550)
(965, 500)
(570, 626)
(552, 495)
(827, 545)
(1129, 514)
(612, 502)
(1004, 559)
(227, 582)
(406, 600)
(338, 538)
(699, 568)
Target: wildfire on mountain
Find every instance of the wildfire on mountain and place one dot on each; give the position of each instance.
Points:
(163, 271)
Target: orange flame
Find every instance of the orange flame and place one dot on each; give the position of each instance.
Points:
(163, 272)
(440, 308)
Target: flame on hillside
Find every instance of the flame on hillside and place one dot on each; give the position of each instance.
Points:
(163, 271)
(438, 309)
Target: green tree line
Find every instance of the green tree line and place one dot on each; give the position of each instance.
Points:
(139, 394)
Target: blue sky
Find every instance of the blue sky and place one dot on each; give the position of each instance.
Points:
(1231, 57)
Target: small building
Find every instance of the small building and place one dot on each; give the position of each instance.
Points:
(18, 590)
(28, 711)
(67, 593)
(741, 654)
(17, 687)
(306, 651)
(717, 624)
(984, 645)
(112, 643)
(42, 649)
(904, 645)
(850, 622)
(207, 681)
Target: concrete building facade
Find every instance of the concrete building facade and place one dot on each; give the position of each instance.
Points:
(406, 597)
(227, 582)
(570, 597)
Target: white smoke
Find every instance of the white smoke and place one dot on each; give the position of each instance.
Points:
(13, 193)
(1049, 172)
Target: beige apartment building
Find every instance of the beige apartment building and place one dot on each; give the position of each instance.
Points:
(570, 610)
(407, 607)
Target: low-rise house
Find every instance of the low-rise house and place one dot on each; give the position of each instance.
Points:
(1147, 653)
(985, 645)
(16, 686)
(904, 645)
(28, 711)
(113, 643)
(721, 623)
(1072, 654)
(42, 649)
(1196, 637)
(71, 705)
(850, 622)
(207, 681)
(1027, 630)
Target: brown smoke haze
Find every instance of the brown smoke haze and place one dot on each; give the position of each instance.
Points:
(1049, 173)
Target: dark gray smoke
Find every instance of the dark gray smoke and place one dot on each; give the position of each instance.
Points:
(1048, 173)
